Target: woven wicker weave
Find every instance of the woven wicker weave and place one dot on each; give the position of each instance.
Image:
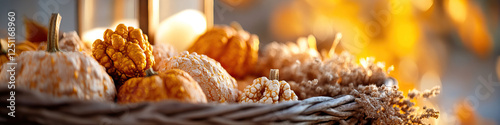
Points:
(36, 107)
(39, 108)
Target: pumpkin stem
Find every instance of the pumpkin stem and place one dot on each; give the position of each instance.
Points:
(150, 72)
(53, 34)
(274, 75)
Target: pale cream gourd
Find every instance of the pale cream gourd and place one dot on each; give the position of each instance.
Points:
(216, 83)
(61, 74)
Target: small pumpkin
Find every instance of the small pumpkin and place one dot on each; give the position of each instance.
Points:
(161, 53)
(216, 83)
(172, 84)
(61, 74)
(125, 52)
(269, 91)
(236, 49)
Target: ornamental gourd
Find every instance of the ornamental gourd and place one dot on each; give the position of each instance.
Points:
(216, 83)
(125, 52)
(269, 91)
(161, 53)
(236, 49)
(172, 84)
(60, 74)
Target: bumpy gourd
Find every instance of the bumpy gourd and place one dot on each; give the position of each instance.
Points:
(161, 53)
(172, 84)
(269, 91)
(236, 49)
(216, 83)
(125, 52)
(61, 74)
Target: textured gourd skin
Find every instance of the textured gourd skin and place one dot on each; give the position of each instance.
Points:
(216, 83)
(172, 84)
(62, 74)
(235, 49)
(161, 53)
(25, 46)
(125, 53)
(267, 91)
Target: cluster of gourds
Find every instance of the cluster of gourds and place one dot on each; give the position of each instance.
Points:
(126, 62)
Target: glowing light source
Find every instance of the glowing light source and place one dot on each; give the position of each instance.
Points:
(422, 5)
(429, 80)
(126, 22)
(93, 34)
(457, 10)
(365, 61)
(181, 29)
(97, 33)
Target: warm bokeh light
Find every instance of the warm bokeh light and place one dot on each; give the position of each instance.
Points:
(471, 25)
(96, 33)
(457, 10)
(474, 34)
(423, 5)
(429, 80)
(126, 22)
(181, 29)
(93, 34)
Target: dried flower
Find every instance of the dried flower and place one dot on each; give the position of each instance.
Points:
(333, 74)
(270, 91)
(379, 104)
(279, 55)
(318, 75)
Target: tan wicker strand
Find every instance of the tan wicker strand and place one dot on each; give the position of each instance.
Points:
(36, 107)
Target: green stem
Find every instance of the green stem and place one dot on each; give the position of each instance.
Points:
(150, 72)
(53, 34)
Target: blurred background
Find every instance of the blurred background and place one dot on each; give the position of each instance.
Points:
(450, 43)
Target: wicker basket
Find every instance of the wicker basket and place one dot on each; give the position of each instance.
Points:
(36, 107)
(33, 107)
